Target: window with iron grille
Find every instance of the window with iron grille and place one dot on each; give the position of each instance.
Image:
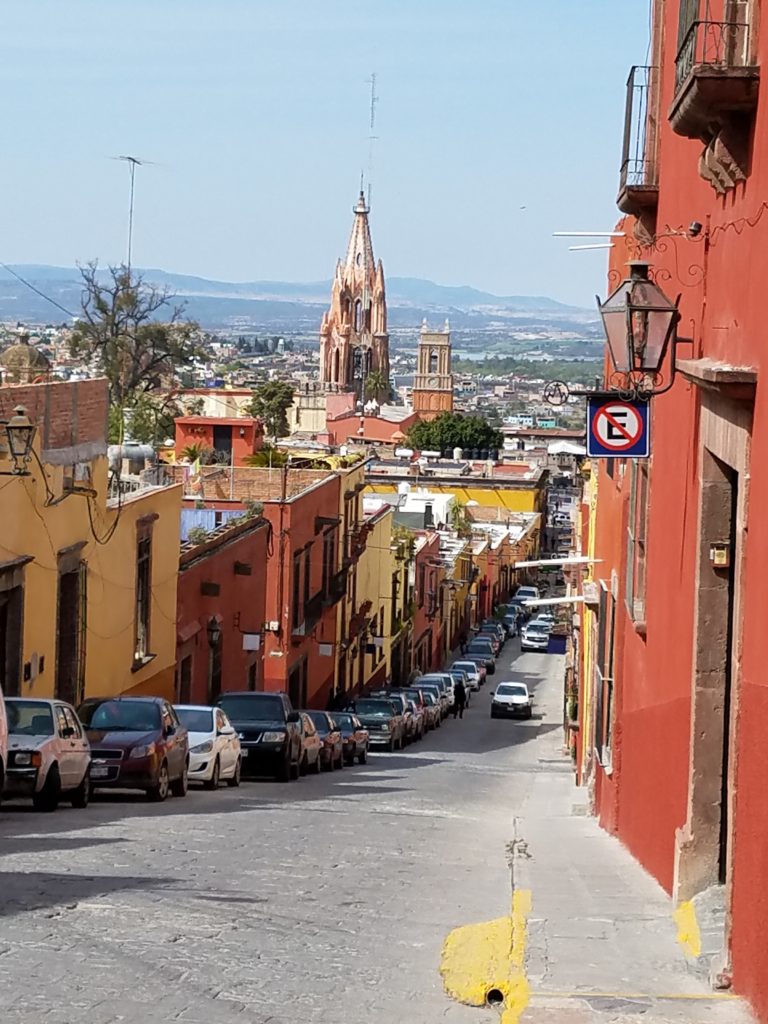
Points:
(143, 596)
(296, 611)
(604, 676)
(71, 626)
(636, 542)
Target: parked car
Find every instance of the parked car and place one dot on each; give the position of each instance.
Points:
(443, 696)
(354, 735)
(484, 649)
(497, 627)
(534, 637)
(49, 757)
(136, 743)
(511, 700)
(416, 695)
(472, 672)
(214, 747)
(311, 746)
(401, 702)
(268, 730)
(527, 594)
(444, 682)
(543, 621)
(383, 720)
(3, 743)
(433, 712)
(332, 750)
(492, 638)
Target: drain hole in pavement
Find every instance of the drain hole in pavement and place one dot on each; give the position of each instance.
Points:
(494, 997)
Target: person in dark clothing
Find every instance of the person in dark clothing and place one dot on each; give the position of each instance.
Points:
(463, 645)
(459, 699)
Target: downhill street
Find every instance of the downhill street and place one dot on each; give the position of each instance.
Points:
(331, 898)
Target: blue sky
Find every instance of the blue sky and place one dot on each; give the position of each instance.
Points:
(256, 113)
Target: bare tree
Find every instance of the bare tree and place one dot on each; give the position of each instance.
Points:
(122, 332)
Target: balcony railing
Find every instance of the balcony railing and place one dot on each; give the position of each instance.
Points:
(715, 44)
(638, 160)
(156, 476)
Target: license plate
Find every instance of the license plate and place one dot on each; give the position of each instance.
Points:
(244, 752)
(99, 771)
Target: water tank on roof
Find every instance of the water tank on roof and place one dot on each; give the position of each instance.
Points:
(458, 454)
(403, 488)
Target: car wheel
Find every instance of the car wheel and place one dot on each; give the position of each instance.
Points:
(363, 757)
(317, 766)
(328, 765)
(295, 770)
(304, 768)
(340, 761)
(180, 786)
(283, 773)
(235, 780)
(159, 791)
(528, 713)
(350, 758)
(213, 782)
(79, 797)
(392, 745)
(48, 797)
(494, 715)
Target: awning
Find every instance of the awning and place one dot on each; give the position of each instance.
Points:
(544, 562)
(541, 601)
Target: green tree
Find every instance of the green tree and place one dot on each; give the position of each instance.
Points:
(377, 386)
(120, 332)
(270, 403)
(451, 430)
(146, 418)
(268, 457)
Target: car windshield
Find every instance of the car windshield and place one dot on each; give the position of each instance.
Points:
(374, 707)
(320, 720)
(29, 718)
(253, 709)
(196, 719)
(467, 666)
(511, 690)
(429, 698)
(537, 627)
(120, 715)
(344, 721)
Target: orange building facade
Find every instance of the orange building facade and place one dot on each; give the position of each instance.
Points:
(673, 695)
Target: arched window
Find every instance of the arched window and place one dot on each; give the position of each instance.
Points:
(433, 361)
(335, 375)
(358, 316)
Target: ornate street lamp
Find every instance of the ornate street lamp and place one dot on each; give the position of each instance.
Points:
(19, 433)
(639, 322)
(214, 632)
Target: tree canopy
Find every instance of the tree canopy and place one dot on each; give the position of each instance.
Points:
(270, 403)
(451, 430)
(120, 332)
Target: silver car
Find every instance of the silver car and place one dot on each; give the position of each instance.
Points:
(49, 757)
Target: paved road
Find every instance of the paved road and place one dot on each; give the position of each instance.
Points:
(326, 899)
(323, 900)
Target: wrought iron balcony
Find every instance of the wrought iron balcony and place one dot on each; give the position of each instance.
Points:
(715, 79)
(638, 180)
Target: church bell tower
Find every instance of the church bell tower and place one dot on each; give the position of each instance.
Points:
(433, 383)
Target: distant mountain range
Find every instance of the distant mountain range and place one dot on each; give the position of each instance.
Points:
(280, 305)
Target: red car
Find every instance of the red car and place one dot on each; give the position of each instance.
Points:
(136, 743)
(332, 750)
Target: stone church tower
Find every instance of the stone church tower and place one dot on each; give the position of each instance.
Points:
(353, 336)
(433, 383)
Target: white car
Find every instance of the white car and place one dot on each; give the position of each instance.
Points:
(214, 746)
(511, 700)
(527, 594)
(49, 757)
(471, 670)
(3, 742)
(535, 637)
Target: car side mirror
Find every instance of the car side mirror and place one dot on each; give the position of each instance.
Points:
(67, 733)
(492, 693)
(292, 718)
(170, 730)
(226, 730)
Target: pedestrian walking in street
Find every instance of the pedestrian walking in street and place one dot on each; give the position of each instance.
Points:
(459, 699)
(463, 645)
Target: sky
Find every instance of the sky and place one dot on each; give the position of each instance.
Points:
(498, 122)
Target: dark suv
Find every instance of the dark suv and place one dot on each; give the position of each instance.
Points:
(136, 743)
(268, 727)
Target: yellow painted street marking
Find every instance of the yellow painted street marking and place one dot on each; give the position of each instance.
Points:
(688, 934)
(480, 958)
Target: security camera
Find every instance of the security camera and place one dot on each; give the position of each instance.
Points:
(695, 229)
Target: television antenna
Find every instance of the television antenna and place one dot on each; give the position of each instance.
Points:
(133, 162)
(372, 137)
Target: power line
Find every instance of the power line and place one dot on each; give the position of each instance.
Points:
(37, 291)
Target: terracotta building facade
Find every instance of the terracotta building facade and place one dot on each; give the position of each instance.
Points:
(673, 692)
(353, 335)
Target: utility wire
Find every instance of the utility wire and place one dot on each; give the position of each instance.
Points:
(37, 291)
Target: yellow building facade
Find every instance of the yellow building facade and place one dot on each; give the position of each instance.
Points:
(489, 493)
(87, 581)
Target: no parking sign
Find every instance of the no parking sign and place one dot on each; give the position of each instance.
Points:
(617, 428)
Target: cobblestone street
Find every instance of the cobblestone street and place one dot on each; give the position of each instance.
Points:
(326, 899)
